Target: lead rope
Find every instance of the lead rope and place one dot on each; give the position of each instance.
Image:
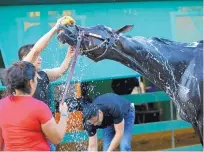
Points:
(79, 39)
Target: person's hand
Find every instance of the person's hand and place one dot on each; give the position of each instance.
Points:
(65, 20)
(63, 109)
(58, 22)
(71, 51)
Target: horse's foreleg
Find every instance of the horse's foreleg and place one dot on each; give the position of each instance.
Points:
(200, 123)
(200, 127)
(200, 114)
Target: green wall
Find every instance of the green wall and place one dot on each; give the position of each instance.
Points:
(177, 20)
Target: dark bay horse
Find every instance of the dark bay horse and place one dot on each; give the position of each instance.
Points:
(175, 67)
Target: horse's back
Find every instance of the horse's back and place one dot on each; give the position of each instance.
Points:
(196, 44)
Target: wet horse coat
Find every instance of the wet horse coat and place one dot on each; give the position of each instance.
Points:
(175, 67)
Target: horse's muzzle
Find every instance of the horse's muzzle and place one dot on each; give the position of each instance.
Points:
(64, 38)
(67, 34)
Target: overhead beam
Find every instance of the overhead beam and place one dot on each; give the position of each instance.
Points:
(45, 2)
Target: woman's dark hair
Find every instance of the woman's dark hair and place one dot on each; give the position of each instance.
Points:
(24, 50)
(18, 76)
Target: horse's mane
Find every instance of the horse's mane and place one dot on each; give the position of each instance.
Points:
(168, 42)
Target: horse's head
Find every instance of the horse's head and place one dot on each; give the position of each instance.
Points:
(97, 42)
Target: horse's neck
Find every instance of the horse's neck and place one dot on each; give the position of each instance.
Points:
(153, 59)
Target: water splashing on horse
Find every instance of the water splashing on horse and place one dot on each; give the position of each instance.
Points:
(175, 67)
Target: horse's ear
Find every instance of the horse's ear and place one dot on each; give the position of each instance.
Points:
(124, 29)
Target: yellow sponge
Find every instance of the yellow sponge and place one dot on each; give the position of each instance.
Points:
(67, 20)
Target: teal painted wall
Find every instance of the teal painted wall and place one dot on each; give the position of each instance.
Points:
(180, 20)
(175, 20)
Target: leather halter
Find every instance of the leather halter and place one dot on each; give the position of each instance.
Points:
(108, 42)
(105, 42)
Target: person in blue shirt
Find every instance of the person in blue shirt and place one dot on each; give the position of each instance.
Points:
(115, 115)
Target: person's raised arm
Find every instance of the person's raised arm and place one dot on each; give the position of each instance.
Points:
(39, 46)
(55, 73)
(42, 43)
